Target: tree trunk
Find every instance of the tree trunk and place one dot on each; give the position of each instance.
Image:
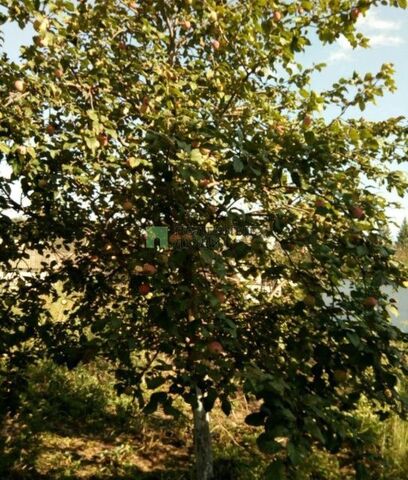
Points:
(202, 442)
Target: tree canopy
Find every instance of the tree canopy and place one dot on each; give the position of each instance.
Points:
(197, 114)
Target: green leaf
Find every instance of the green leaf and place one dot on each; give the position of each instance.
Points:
(4, 148)
(196, 155)
(268, 445)
(276, 471)
(154, 382)
(238, 165)
(155, 399)
(168, 409)
(310, 137)
(92, 143)
(354, 339)
(255, 419)
(314, 430)
(226, 406)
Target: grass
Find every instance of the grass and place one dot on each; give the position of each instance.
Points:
(73, 426)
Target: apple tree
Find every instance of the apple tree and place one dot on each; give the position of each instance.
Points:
(197, 116)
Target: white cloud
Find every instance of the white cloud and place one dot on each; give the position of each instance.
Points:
(383, 40)
(373, 21)
(377, 29)
(339, 55)
(343, 51)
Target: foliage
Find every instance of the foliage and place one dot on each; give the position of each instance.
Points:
(189, 114)
(402, 239)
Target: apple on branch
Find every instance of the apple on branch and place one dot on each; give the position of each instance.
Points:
(144, 288)
(355, 13)
(185, 24)
(103, 139)
(19, 85)
(370, 302)
(277, 16)
(357, 212)
(307, 121)
(50, 129)
(215, 44)
(127, 205)
(149, 269)
(215, 347)
(59, 73)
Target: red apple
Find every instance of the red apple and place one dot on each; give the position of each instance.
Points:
(215, 44)
(277, 16)
(149, 269)
(215, 347)
(357, 212)
(307, 121)
(185, 24)
(59, 72)
(127, 205)
(320, 203)
(175, 237)
(370, 302)
(50, 129)
(122, 46)
(205, 182)
(103, 139)
(144, 288)
(355, 13)
(19, 85)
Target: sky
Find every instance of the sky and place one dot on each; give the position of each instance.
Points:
(387, 29)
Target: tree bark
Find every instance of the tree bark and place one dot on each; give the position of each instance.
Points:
(202, 442)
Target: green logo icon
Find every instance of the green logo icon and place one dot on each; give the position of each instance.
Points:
(157, 237)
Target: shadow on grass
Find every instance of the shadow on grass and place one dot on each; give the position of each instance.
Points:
(72, 425)
(132, 473)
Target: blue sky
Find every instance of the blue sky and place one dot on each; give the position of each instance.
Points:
(387, 29)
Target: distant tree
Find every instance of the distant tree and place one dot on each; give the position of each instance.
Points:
(402, 239)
